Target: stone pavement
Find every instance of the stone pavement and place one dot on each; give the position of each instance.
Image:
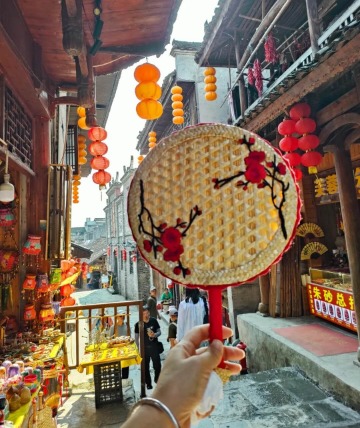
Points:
(277, 398)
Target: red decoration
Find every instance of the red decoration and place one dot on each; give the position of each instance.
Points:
(123, 255)
(311, 159)
(101, 177)
(293, 158)
(258, 77)
(251, 77)
(288, 144)
(99, 162)
(308, 142)
(66, 290)
(298, 174)
(97, 148)
(286, 127)
(300, 110)
(271, 55)
(305, 126)
(97, 133)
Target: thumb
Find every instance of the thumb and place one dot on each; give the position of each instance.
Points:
(212, 357)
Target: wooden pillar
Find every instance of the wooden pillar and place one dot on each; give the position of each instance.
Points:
(242, 89)
(314, 25)
(263, 308)
(351, 214)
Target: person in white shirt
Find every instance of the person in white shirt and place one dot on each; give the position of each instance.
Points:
(191, 313)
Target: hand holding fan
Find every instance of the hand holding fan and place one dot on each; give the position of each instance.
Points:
(213, 206)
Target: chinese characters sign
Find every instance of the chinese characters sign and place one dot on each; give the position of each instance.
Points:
(333, 305)
(326, 188)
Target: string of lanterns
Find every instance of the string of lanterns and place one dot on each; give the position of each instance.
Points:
(210, 84)
(148, 91)
(152, 139)
(81, 111)
(177, 105)
(97, 149)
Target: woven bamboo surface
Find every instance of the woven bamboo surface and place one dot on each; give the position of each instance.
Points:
(238, 234)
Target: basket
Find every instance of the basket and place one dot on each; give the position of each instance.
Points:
(107, 381)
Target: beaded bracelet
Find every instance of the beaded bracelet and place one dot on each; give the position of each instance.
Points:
(158, 405)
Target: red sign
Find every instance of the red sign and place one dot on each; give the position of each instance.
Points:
(333, 305)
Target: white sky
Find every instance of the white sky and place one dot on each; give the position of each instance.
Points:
(124, 125)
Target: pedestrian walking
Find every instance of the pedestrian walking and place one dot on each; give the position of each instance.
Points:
(173, 313)
(152, 303)
(151, 345)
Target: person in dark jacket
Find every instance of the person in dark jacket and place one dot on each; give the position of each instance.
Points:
(151, 344)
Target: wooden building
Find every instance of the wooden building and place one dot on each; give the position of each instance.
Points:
(304, 52)
(54, 57)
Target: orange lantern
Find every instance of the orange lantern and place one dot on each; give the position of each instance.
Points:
(82, 123)
(81, 139)
(148, 90)
(97, 133)
(152, 139)
(146, 73)
(81, 111)
(99, 162)
(149, 109)
(140, 159)
(210, 87)
(66, 290)
(97, 148)
(177, 105)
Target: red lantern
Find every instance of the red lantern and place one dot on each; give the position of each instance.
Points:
(286, 127)
(116, 251)
(99, 162)
(97, 133)
(288, 144)
(300, 110)
(101, 177)
(308, 142)
(298, 174)
(66, 290)
(97, 148)
(123, 254)
(134, 258)
(293, 158)
(311, 159)
(305, 126)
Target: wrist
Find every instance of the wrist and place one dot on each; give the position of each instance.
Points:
(148, 417)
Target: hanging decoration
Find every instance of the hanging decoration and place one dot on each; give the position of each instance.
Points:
(306, 126)
(148, 91)
(177, 105)
(140, 159)
(81, 111)
(99, 162)
(258, 77)
(289, 144)
(152, 139)
(271, 54)
(251, 77)
(210, 84)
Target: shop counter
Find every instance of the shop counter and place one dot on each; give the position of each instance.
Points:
(330, 297)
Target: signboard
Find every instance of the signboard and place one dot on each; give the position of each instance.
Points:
(326, 188)
(333, 305)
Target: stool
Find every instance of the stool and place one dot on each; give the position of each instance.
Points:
(107, 381)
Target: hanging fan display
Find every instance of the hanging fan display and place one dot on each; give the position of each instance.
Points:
(309, 229)
(313, 248)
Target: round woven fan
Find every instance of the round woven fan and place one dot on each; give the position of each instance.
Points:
(309, 229)
(312, 248)
(213, 206)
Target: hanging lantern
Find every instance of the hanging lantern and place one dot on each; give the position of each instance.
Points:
(152, 139)
(123, 255)
(298, 174)
(286, 127)
(146, 73)
(305, 125)
(97, 148)
(81, 139)
(97, 133)
(149, 109)
(140, 159)
(308, 142)
(210, 86)
(300, 110)
(82, 160)
(288, 144)
(101, 178)
(99, 162)
(177, 105)
(148, 90)
(82, 123)
(293, 158)
(81, 111)
(311, 159)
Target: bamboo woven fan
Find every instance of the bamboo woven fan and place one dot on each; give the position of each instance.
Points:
(312, 248)
(309, 229)
(213, 205)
